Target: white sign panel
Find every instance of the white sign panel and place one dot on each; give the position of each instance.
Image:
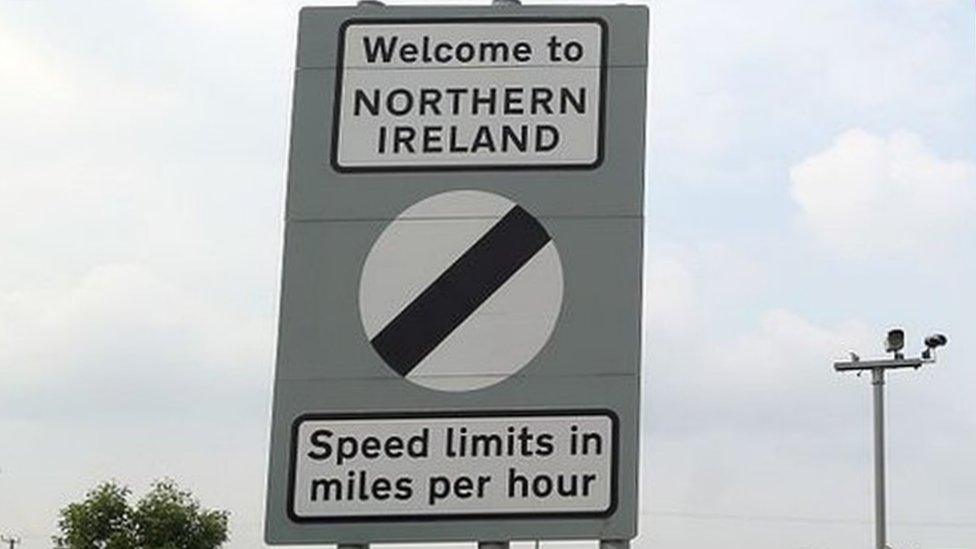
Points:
(476, 295)
(475, 465)
(463, 95)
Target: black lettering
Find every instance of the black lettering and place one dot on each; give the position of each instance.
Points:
(464, 52)
(419, 445)
(438, 488)
(525, 439)
(405, 106)
(442, 52)
(404, 488)
(478, 100)
(381, 488)
(486, 445)
(346, 448)
(329, 489)
(483, 140)
(403, 135)
(483, 480)
(430, 99)
(379, 48)
(587, 479)
(494, 50)
(454, 147)
(363, 100)
(431, 141)
(573, 51)
(464, 487)
(597, 441)
(370, 448)
(393, 447)
(541, 144)
(317, 440)
(449, 450)
(541, 99)
(518, 485)
(456, 94)
(511, 141)
(566, 97)
(542, 486)
(512, 103)
(363, 495)
(566, 485)
(408, 52)
(553, 44)
(544, 445)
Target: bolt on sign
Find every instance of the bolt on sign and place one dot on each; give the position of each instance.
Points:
(459, 338)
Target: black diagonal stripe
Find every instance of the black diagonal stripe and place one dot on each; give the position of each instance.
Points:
(460, 290)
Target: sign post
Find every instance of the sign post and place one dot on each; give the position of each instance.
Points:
(459, 339)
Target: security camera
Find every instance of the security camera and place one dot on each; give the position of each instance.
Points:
(895, 341)
(935, 340)
(931, 342)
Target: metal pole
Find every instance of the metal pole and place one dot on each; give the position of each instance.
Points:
(877, 380)
(614, 544)
(492, 545)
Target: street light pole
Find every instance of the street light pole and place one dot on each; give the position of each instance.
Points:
(894, 344)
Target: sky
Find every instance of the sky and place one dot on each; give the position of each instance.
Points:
(811, 182)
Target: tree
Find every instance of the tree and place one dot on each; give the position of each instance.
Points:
(165, 518)
(102, 521)
(170, 518)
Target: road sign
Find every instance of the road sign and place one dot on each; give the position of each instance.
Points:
(468, 307)
(459, 342)
(455, 465)
(413, 93)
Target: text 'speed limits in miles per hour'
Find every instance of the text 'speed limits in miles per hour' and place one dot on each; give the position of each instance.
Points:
(538, 464)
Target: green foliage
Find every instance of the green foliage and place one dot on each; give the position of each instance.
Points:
(102, 521)
(169, 518)
(165, 518)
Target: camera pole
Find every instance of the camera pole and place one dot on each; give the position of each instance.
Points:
(894, 344)
(880, 520)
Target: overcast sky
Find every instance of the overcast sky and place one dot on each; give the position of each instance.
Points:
(811, 181)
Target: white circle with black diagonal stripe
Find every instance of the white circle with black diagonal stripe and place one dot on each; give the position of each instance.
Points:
(461, 291)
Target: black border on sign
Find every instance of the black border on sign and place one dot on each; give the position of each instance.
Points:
(337, 97)
(614, 465)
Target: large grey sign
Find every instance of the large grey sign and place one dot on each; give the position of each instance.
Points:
(459, 342)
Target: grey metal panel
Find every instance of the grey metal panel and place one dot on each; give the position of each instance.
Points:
(325, 362)
(322, 336)
(319, 26)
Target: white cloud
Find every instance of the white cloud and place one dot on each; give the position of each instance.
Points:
(727, 82)
(670, 300)
(125, 339)
(741, 381)
(252, 18)
(869, 195)
(48, 92)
